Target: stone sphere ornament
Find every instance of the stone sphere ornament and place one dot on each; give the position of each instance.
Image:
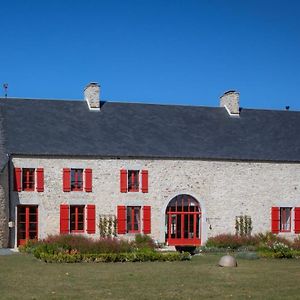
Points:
(227, 261)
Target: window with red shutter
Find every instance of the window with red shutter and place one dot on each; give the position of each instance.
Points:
(66, 180)
(123, 181)
(88, 180)
(40, 179)
(121, 219)
(144, 181)
(17, 179)
(297, 219)
(91, 216)
(147, 219)
(64, 218)
(275, 219)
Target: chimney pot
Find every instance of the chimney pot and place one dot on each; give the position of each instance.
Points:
(92, 95)
(231, 101)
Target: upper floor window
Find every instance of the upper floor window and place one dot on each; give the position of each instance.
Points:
(77, 180)
(28, 179)
(133, 181)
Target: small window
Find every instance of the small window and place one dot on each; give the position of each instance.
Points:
(28, 179)
(133, 219)
(133, 180)
(76, 179)
(285, 219)
(76, 218)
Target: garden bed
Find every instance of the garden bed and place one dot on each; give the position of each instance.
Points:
(76, 248)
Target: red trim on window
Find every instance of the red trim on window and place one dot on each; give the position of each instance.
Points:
(147, 219)
(66, 180)
(90, 217)
(40, 179)
(64, 218)
(297, 219)
(121, 216)
(88, 180)
(17, 179)
(123, 181)
(144, 181)
(275, 217)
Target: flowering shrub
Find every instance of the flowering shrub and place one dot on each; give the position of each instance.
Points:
(296, 243)
(231, 241)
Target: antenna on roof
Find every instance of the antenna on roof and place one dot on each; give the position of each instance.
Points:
(5, 87)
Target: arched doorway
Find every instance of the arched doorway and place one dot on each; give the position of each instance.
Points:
(183, 226)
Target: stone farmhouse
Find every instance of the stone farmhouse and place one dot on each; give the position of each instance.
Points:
(178, 173)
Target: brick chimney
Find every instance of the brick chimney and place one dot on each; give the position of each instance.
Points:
(92, 96)
(231, 101)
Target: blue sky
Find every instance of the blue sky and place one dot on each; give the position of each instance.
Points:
(169, 52)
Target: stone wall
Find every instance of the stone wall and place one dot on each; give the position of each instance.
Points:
(4, 209)
(224, 189)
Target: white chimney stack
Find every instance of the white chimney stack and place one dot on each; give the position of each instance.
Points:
(231, 101)
(92, 96)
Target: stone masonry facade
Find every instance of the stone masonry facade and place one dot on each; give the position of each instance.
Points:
(224, 190)
(4, 208)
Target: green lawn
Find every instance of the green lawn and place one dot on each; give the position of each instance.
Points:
(24, 277)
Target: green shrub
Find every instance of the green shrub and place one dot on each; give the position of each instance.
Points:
(139, 256)
(143, 241)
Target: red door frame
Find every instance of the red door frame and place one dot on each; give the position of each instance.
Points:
(180, 212)
(21, 238)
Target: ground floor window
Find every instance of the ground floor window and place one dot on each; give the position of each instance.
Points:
(27, 223)
(285, 219)
(77, 218)
(133, 219)
(281, 219)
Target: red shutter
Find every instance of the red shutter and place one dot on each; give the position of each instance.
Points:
(297, 219)
(147, 219)
(91, 218)
(121, 219)
(88, 180)
(40, 179)
(67, 180)
(123, 181)
(275, 219)
(17, 179)
(64, 218)
(144, 181)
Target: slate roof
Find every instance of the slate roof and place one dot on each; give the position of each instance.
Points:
(57, 127)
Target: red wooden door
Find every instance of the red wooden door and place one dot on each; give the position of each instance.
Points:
(183, 217)
(27, 223)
